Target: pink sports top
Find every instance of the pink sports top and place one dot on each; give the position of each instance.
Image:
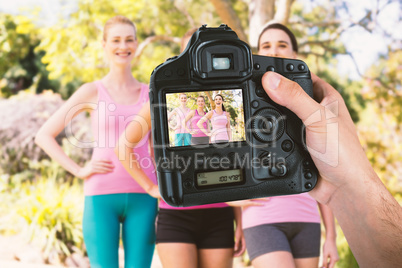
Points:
(109, 120)
(180, 116)
(194, 126)
(287, 208)
(219, 130)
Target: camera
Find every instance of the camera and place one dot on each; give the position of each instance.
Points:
(262, 152)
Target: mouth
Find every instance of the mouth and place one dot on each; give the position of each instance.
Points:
(123, 54)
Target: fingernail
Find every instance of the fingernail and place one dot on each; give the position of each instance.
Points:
(273, 80)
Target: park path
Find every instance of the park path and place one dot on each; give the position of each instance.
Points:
(14, 246)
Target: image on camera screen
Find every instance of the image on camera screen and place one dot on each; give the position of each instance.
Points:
(205, 117)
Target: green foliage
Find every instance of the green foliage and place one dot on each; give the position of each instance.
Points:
(46, 208)
(76, 42)
(20, 64)
(380, 130)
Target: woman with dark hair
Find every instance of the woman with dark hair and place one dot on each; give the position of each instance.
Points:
(220, 121)
(285, 230)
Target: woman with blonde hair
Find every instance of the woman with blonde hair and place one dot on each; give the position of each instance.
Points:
(114, 202)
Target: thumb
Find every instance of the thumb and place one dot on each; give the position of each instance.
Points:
(289, 94)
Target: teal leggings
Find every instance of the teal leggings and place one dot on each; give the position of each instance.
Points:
(103, 216)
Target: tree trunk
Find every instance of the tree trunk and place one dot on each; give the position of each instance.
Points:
(229, 17)
(260, 12)
(283, 11)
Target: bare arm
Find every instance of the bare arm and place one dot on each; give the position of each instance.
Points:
(229, 130)
(201, 122)
(132, 135)
(174, 112)
(82, 100)
(240, 242)
(329, 252)
(188, 117)
(367, 213)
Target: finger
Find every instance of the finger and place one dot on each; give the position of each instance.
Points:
(325, 261)
(332, 263)
(104, 164)
(289, 94)
(103, 170)
(320, 88)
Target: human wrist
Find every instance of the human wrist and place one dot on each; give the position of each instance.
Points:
(358, 187)
(149, 188)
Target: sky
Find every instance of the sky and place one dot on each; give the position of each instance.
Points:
(364, 46)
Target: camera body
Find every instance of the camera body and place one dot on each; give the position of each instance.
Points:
(266, 153)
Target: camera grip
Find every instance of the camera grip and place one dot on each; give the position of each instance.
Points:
(170, 187)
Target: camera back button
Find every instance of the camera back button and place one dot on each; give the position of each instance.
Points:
(255, 104)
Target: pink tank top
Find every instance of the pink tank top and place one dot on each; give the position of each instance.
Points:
(219, 130)
(194, 126)
(180, 116)
(287, 208)
(108, 122)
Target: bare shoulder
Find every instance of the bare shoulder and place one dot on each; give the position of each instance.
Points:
(87, 92)
(86, 96)
(209, 114)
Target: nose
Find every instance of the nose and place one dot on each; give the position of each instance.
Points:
(273, 52)
(123, 44)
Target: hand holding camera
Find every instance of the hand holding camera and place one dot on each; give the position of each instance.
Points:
(269, 158)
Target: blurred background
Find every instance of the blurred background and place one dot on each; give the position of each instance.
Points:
(49, 48)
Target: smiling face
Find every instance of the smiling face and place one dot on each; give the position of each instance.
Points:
(120, 44)
(276, 43)
(218, 100)
(183, 98)
(200, 102)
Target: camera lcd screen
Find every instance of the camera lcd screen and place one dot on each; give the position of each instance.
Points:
(219, 177)
(205, 117)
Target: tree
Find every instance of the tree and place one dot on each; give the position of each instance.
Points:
(20, 62)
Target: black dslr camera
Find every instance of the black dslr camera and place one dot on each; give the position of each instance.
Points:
(264, 152)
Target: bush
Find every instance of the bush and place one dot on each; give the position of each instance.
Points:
(47, 209)
(21, 117)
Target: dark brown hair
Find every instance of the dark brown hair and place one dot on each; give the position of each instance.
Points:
(283, 28)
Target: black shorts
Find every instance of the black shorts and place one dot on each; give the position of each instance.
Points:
(199, 140)
(302, 239)
(206, 228)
